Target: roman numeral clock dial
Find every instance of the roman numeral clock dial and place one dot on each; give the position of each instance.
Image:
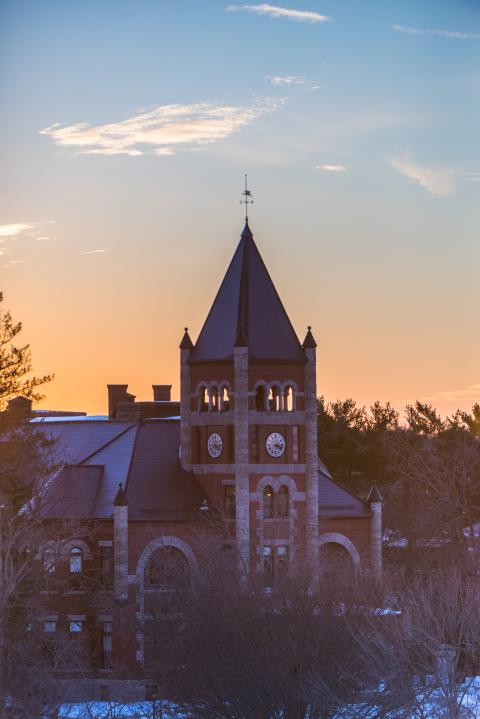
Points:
(214, 445)
(275, 444)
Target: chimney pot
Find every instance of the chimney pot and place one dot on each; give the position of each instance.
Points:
(161, 392)
(21, 406)
(117, 393)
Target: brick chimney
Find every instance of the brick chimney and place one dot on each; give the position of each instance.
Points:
(21, 406)
(117, 393)
(161, 392)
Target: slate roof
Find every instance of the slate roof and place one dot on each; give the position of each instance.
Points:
(99, 456)
(143, 457)
(157, 486)
(73, 492)
(247, 311)
(336, 501)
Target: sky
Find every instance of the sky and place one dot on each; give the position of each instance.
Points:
(125, 132)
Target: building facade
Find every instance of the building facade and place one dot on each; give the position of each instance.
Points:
(240, 443)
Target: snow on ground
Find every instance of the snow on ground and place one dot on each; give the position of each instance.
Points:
(427, 705)
(114, 710)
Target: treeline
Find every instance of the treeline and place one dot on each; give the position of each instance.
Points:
(427, 469)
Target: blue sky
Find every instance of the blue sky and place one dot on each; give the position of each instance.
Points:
(358, 126)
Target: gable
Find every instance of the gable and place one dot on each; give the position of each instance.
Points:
(336, 501)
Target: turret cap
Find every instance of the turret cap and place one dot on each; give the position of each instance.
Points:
(120, 498)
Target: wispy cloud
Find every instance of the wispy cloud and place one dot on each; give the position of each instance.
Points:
(281, 80)
(331, 168)
(14, 229)
(162, 130)
(280, 12)
(98, 251)
(465, 394)
(435, 181)
(292, 81)
(455, 34)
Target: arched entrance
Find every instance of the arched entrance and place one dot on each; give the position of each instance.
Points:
(339, 563)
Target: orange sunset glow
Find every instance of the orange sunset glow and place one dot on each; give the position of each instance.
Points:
(119, 210)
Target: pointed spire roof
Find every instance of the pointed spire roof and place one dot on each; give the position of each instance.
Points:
(247, 311)
(374, 495)
(186, 343)
(309, 341)
(120, 498)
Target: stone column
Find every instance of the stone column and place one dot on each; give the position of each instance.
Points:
(311, 461)
(242, 490)
(446, 665)
(186, 347)
(120, 545)
(376, 534)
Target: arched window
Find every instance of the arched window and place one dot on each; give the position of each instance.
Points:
(75, 561)
(260, 398)
(274, 399)
(224, 399)
(288, 404)
(167, 568)
(267, 502)
(281, 502)
(203, 399)
(213, 396)
(49, 560)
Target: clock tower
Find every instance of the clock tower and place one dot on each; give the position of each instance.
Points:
(248, 419)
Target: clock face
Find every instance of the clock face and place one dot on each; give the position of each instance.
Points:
(214, 445)
(275, 444)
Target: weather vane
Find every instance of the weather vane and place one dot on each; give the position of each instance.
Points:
(247, 199)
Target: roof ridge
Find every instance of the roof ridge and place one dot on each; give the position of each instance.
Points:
(104, 446)
(97, 490)
(342, 486)
(242, 315)
(276, 294)
(247, 311)
(132, 455)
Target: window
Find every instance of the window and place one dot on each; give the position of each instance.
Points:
(268, 503)
(203, 400)
(106, 566)
(213, 395)
(107, 644)
(167, 568)
(49, 560)
(275, 563)
(229, 501)
(49, 627)
(274, 399)
(260, 399)
(288, 399)
(281, 561)
(224, 399)
(281, 503)
(75, 628)
(76, 560)
(267, 566)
